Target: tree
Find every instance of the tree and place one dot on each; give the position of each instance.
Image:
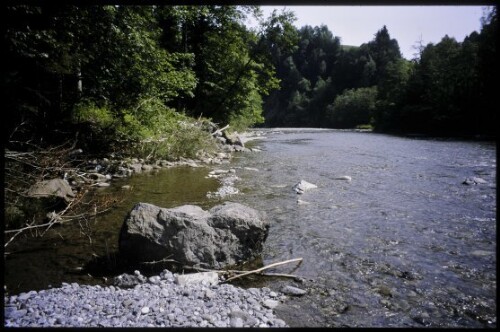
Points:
(352, 108)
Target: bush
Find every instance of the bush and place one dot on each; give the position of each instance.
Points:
(352, 108)
(148, 130)
(99, 117)
(157, 131)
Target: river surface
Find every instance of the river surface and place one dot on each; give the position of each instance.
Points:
(403, 244)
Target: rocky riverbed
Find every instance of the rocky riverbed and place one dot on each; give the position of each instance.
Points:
(159, 301)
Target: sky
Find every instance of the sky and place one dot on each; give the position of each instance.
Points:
(356, 25)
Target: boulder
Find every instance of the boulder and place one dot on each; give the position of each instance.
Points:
(225, 235)
(59, 188)
(233, 138)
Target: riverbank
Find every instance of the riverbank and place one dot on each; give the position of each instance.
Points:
(158, 302)
(93, 305)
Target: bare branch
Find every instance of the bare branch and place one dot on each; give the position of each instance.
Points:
(264, 268)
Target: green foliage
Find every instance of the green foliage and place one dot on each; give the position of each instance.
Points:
(364, 127)
(131, 73)
(308, 79)
(99, 117)
(153, 130)
(352, 108)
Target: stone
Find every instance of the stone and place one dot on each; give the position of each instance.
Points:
(97, 176)
(154, 280)
(145, 310)
(128, 281)
(237, 317)
(291, 290)
(225, 235)
(147, 168)
(345, 178)
(136, 168)
(52, 188)
(197, 278)
(233, 138)
(303, 186)
(219, 171)
(474, 180)
(474, 253)
(271, 304)
(236, 322)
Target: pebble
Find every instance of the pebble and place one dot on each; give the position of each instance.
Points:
(271, 304)
(291, 290)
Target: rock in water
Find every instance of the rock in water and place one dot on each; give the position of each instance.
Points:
(233, 138)
(303, 186)
(474, 180)
(56, 187)
(344, 177)
(227, 234)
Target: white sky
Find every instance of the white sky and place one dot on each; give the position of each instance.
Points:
(356, 25)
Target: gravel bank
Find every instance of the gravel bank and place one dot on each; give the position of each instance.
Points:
(159, 302)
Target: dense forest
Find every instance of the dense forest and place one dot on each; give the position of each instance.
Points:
(447, 89)
(122, 74)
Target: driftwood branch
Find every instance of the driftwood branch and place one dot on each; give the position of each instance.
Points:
(165, 260)
(237, 273)
(264, 268)
(283, 275)
(219, 131)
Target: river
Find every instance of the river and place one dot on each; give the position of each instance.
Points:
(403, 244)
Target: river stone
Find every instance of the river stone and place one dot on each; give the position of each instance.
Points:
(290, 290)
(55, 187)
(211, 278)
(226, 234)
(233, 138)
(137, 168)
(474, 180)
(303, 186)
(128, 281)
(271, 304)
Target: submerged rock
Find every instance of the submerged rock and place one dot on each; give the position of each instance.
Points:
(303, 186)
(226, 234)
(474, 180)
(345, 178)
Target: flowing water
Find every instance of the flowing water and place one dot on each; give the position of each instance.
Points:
(404, 243)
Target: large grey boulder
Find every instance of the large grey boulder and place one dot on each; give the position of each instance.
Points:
(226, 234)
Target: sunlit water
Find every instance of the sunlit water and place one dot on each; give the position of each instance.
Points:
(404, 243)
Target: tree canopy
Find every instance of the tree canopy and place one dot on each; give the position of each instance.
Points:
(116, 73)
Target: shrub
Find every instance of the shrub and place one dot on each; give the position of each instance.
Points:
(353, 107)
